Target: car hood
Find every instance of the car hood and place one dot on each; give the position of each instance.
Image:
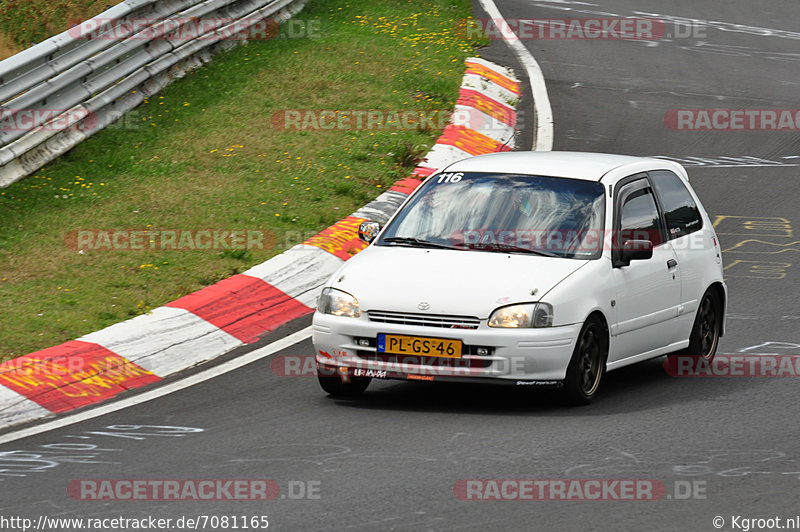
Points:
(452, 282)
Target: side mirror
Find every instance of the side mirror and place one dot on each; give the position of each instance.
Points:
(634, 250)
(367, 231)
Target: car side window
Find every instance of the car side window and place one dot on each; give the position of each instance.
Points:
(680, 210)
(639, 218)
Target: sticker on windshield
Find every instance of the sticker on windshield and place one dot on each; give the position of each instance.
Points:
(450, 177)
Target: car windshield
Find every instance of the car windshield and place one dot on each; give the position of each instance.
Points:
(503, 213)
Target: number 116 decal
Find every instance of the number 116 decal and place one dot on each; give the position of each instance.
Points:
(450, 177)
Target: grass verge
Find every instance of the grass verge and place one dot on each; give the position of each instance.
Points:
(27, 22)
(206, 154)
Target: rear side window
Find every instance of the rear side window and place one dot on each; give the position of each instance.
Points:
(680, 210)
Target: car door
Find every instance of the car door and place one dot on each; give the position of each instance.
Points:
(647, 291)
(693, 247)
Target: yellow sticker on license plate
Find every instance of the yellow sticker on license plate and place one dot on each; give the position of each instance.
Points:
(397, 344)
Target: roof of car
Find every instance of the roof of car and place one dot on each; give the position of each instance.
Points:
(571, 164)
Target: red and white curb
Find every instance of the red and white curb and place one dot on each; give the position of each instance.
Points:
(241, 309)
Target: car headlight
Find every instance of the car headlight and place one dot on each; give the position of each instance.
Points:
(520, 316)
(338, 303)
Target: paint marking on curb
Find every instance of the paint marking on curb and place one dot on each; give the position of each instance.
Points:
(72, 375)
(243, 306)
(340, 239)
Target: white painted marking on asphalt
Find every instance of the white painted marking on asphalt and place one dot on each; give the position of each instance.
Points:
(541, 101)
(678, 21)
(746, 161)
(144, 397)
(742, 166)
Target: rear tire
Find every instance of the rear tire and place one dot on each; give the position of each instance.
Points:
(333, 385)
(588, 364)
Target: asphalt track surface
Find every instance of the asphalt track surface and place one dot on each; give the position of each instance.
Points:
(390, 460)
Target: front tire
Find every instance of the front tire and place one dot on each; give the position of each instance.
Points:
(587, 365)
(333, 385)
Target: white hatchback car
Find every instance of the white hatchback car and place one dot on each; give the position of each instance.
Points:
(527, 268)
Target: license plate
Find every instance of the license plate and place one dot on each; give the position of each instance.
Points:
(397, 344)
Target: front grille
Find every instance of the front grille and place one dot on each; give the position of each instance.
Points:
(424, 320)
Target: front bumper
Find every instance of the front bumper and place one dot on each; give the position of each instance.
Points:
(517, 356)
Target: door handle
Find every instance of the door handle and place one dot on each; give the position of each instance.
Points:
(671, 263)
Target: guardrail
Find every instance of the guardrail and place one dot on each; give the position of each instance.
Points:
(59, 92)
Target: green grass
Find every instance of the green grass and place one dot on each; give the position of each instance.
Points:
(27, 22)
(203, 154)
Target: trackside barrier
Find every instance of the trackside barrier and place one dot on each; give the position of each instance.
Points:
(102, 68)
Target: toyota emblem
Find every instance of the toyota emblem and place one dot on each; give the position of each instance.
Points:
(424, 305)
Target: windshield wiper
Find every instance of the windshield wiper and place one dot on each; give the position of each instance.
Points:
(507, 248)
(415, 242)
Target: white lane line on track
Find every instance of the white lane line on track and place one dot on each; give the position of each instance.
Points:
(713, 166)
(143, 397)
(543, 140)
